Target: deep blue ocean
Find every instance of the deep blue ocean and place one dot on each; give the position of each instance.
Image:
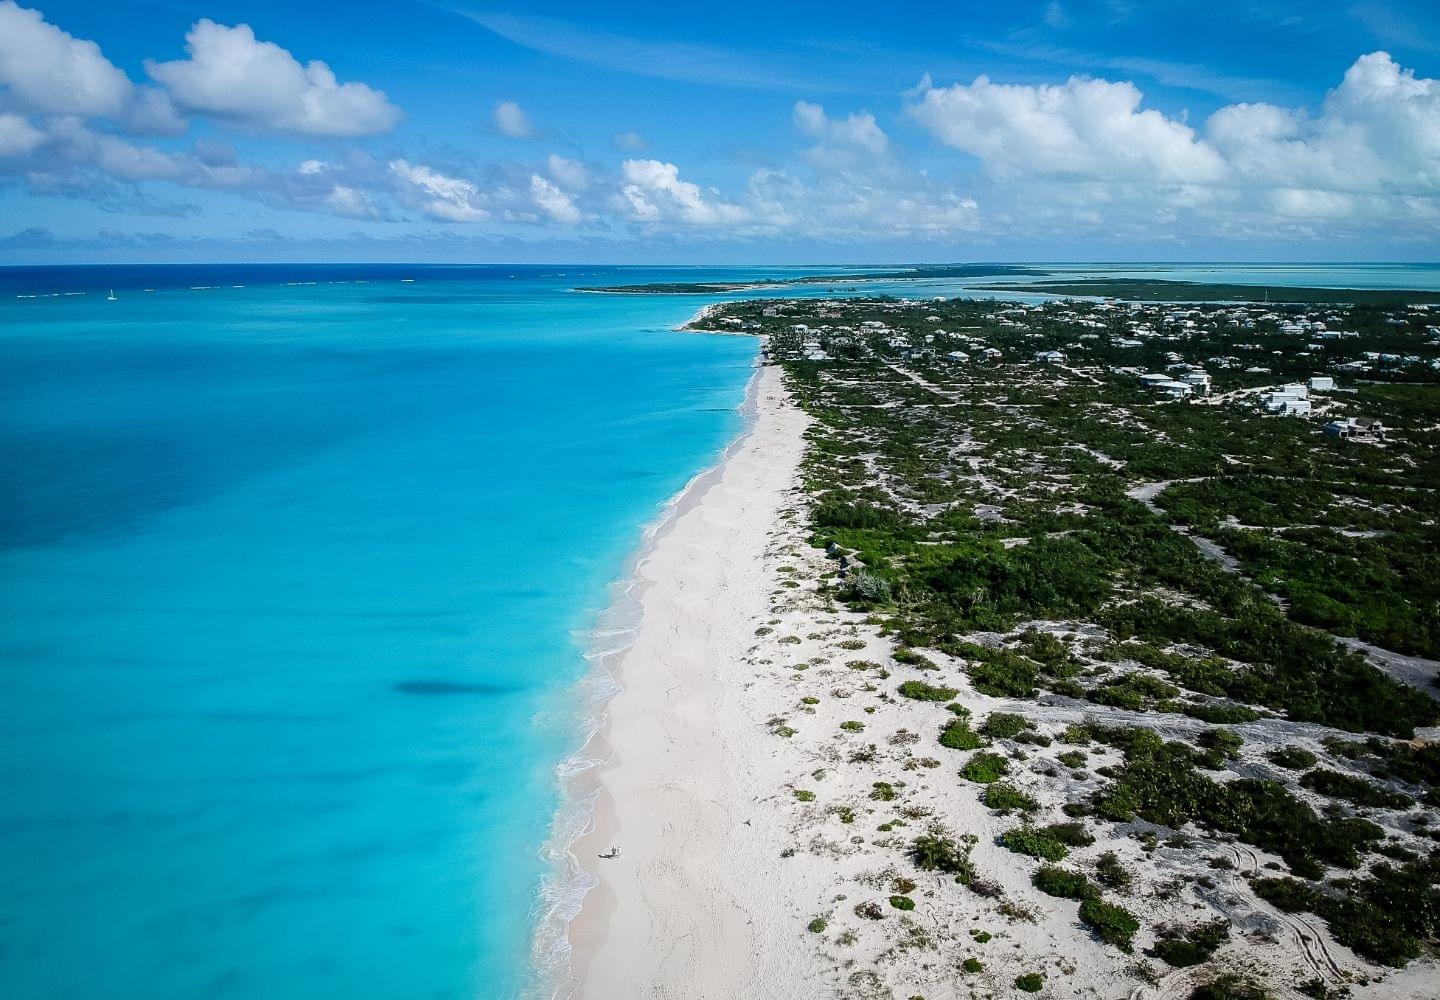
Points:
(298, 570)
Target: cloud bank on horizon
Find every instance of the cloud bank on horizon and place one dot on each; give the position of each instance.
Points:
(243, 145)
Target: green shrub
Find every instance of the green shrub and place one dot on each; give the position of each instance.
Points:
(902, 902)
(1003, 674)
(1221, 714)
(817, 926)
(1228, 987)
(972, 965)
(1034, 842)
(1056, 881)
(1076, 735)
(1193, 945)
(1070, 834)
(852, 726)
(1222, 741)
(1004, 725)
(1073, 758)
(957, 735)
(1112, 924)
(932, 852)
(985, 767)
(920, 691)
(1294, 758)
(1030, 982)
(1111, 873)
(804, 795)
(1353, 789)
(1006, 798)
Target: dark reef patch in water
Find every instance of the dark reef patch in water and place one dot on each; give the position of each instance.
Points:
(425, 687)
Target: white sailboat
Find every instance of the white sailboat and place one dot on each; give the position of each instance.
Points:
(112, 297)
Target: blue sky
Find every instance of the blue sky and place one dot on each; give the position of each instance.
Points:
(841, 132)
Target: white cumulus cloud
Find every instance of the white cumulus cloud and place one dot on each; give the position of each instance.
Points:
(443, 198)
(654, 192)
(233, 76)
(553, 202)
(47, 70)
(859, 130)
(1083, 128)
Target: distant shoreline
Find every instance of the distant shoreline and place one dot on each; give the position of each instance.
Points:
(898, 274)
(1163, 290)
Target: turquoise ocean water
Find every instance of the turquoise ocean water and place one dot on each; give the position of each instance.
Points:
(296, 583)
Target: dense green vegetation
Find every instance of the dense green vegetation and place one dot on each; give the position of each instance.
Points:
(948, 572)
(1159, 782)
(1390, 915)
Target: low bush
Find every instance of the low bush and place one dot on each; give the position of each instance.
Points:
(1294, 758)
(1004, 725)
(1111, 873)
(1192, 945)
(1056, 881)
(1352, 789)
(1030, 982)
(1221, 713)
(1112, 924)
(1034, 842)
(935, 853)
(984, 768)
(1228, 987)
(1070, 834)
(920, 691)
(1005, 799)
(957, 735)
(902, 902)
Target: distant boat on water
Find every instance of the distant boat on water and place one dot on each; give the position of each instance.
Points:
(112, 297)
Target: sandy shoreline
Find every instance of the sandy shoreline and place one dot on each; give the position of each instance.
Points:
(693, 905)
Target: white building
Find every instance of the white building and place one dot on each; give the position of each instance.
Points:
(1321, 383)
(1173, 390)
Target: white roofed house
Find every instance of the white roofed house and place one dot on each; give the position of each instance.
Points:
(1288, 400)
(1321, 383)
(1050, 357)
(1173, 390)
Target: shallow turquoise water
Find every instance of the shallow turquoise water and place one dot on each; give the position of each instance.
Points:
(292, 586)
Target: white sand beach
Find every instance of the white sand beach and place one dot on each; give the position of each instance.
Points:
(699, 903)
